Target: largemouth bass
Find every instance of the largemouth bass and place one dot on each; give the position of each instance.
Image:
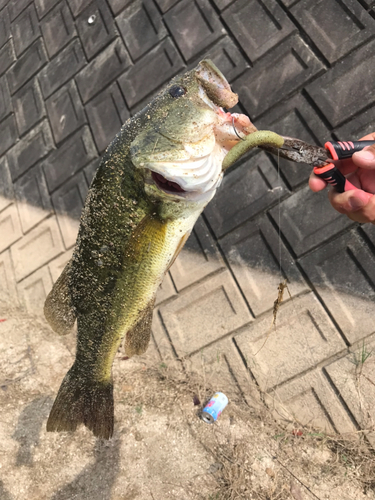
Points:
(152, 184)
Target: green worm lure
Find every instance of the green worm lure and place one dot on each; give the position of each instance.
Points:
(259, 138)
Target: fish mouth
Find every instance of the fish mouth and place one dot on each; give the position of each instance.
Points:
(166, 185)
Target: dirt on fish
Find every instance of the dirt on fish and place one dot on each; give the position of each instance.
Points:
(161, 449)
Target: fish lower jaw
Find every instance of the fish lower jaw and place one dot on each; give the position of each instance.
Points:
(165, 185)
(157, 185)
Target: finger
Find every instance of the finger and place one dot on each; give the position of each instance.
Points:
(356, 204)
(368, 137)
(365, 158)
(346, 166)
(316, 183)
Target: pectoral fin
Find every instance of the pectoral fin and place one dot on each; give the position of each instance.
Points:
(58, 308)
(138, 337)
(178, 249)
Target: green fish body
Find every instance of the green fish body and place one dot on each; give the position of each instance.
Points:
(152, 184)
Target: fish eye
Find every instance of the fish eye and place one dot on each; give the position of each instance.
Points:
(177, 91)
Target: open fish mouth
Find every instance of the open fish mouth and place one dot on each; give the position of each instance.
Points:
(166, 185)
(198, 173)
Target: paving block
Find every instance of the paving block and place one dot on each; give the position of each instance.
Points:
(77, 6)
(199, 258)
(150, 72)
(347, 88)
(4, 26)
(254, 186)
(71, 156)
(8, 134)
(33, 199)
(349, 296)
(118, 5)
(97, 33)
(164, 5)
(198, 19)
(358, 127)
(105, 68)
(25, 29)
(269, 25)
(28, 106)
(227, 57)
(15, 8)
(10, 227)
(295, 118)
(256, 87)
(41, 245)
(353, 25)
(260, 261)
(58, 28)
(68, 202)
(141, 27)
(289, 3)
(65, 112)
(166, 290)
(31, 61)
(6, 186)
(62, 68)
(304, 336)
(221, 367)
(34, 289)
(222, 4)
(369, 230)
(8, 289)
(57, 266)
(7, 56)
(5, 102)
(33, 147)
(310, 400)
(204, 314)
(91, 169)
(307, 220)
(107, 113)
(353, 377)
(44, 6)
(163, 342)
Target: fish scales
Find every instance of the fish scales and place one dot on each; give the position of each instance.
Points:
(152, 184)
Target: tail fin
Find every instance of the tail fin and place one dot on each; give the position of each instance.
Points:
(83, 401)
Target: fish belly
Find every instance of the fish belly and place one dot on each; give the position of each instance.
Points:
(148, 256)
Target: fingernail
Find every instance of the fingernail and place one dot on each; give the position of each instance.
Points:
(355, 204)
(366, 155)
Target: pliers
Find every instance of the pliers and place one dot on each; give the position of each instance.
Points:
(321, 159)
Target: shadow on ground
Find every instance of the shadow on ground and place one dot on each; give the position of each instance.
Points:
(96, 480)
(29, 427)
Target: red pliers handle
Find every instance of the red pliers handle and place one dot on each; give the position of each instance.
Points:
(339, 151)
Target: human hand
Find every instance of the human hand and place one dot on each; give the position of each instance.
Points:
(358, 204)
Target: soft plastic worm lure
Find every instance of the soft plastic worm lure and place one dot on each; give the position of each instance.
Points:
(259, 138)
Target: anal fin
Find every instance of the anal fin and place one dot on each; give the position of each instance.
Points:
(58, 308)
(138, 337)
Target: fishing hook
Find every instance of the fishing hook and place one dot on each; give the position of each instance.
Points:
(235, 130)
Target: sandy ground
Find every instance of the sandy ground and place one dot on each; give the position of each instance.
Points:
(161, 449)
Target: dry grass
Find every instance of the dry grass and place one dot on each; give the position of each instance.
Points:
(250, 454)
(253, 455)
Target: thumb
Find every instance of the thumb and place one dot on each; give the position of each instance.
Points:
(365, 158)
